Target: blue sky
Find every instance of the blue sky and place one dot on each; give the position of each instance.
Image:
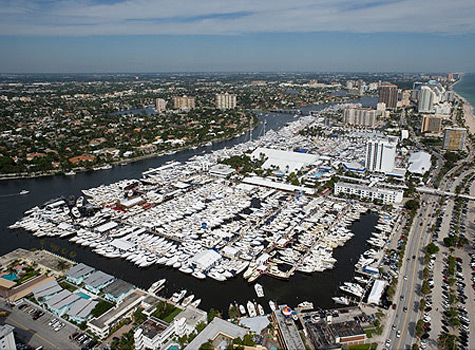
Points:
(221, 35)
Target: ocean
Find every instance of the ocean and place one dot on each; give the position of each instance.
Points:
(466, 88)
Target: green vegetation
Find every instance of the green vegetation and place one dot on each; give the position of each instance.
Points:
(207, 346)
(66, 285)
(246, 341)
(126, 342)
(29, 273)
(419, 328)
(139, 317)
(447, 341)
(212, 313)
(166, 312)
(101, 308)
(432, 248)
(244, 164)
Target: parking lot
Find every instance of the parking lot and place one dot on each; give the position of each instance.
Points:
(37, 327)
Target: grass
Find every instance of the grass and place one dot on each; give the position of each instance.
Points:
(101, 308)
(169, 318)
(166, 312)
(67, 286)
(30, 273)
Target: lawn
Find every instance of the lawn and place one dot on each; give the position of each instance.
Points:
(67, 286)
(166, 312)
(101, 308)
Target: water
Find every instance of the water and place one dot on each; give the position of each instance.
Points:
(318, 287)
(466, 88)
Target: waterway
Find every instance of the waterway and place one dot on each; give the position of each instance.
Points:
(466, 88)
(318, 287)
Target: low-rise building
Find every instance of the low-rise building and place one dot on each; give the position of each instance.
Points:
(335, 335)
(97, 281)
(219, 332)
(152, 334)
(371, 193)
(289, 336)
(78, 273)
(118, 290)
(454, 139)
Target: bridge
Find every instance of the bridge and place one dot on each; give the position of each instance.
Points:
(443, 193)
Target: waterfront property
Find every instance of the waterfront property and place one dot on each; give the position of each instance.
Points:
(78, 273)
(152, 334)
(97, 281)
(219, 332)
(118, 290)
(370, 193)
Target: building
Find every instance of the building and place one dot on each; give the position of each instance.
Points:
(78, 273)
(388, 94)
(381, 154)
(183, 102)
(221, 170)
(7, 338)
(97, 281)
(431, 124)
(225, 101)
(360, 117)
(376, 292)
(186, 321)
(426, 100)
(160, 105)
(288, 333)
(419, 162)
(371, 193)
(118, 290)
(152, 334)
(283, 161)
(454, 139)
(335, 335)
(219, 332)
(103, 324)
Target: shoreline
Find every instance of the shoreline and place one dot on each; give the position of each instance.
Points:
(5, 177)
(469, 117)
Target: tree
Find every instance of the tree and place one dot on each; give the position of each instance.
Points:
(207, 346)
(432, 249)
(211, 314)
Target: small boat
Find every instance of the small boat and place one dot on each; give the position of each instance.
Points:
(242, 309)
(341, 300)
(272, 305)
(259, 290)
(177, 296)
(261, 310)
(24, 192)
(188, 300)
(251, 309)
(196, 303)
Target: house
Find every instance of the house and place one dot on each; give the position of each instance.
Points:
(97, 281)
(78, 273)
(46, 290)
(80, 311)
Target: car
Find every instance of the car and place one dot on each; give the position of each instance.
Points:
(394, 327)
(398, 334)
(394, 306)
(404, 309)
(405, 277)
(401, 297)
(388, 342)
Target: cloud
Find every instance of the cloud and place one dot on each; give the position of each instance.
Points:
(223, 17)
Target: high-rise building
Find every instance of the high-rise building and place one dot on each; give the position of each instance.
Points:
(225, 101)
(426, 100)
(381, 154)
(160, 105)
(431, 124)
(454, 139)
(7, 338)
(388, 94)
(360, 116)
(182, 102)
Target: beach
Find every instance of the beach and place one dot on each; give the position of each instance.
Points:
(468, 115)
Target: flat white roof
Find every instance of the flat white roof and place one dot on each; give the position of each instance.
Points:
(206, 258)
(419, 162)
(284, 160)
(376, 292)
(122, 244)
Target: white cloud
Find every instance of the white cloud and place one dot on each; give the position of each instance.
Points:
(223, 17)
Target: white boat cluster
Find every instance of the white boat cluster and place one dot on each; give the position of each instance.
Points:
(181, 217)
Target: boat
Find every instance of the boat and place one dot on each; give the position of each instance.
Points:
(177, 296)
(24, 192)
(196, 303)
(70, 173)
(261, 310)
(242, 309)
(188, 300)
(259, 290)
(251, 309)
(157, 285)
(272, 305)
(305, 305)
(341, 300)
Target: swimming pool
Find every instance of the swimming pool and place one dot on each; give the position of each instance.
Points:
(11, 277)
(84, 296)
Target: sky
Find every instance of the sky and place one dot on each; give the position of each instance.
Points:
(84, 36)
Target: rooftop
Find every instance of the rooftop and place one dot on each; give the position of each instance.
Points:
(79, 270)
(118, 288)
(153, 327)
(213, 329)
(97, 279)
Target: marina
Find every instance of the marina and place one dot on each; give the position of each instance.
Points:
(280, 259)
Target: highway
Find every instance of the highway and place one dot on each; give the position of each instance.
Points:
(410, 283)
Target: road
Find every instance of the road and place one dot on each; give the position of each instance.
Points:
(410, 282)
